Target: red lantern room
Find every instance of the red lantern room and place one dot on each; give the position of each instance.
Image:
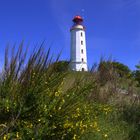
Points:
(77, 19)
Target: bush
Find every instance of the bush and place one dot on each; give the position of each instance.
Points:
(40, 100)
(33, 103)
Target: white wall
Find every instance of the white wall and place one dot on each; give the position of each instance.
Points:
(77, 47)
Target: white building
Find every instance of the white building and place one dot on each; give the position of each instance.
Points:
(78, 56)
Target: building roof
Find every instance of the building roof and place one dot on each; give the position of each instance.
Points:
(77, 19)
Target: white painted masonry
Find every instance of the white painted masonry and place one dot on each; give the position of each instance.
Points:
(78, 48)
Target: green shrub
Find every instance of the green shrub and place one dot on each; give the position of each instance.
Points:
(34, 104)
(42, 101)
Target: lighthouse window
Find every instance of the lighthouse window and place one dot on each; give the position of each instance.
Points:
(82, 60)
(81, 34)
(82, 51)
(81, 42)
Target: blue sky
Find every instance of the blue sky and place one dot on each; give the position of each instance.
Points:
(112, 26)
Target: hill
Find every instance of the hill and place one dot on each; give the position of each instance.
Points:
(41, 99)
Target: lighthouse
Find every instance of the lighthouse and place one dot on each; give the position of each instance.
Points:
(78, 54)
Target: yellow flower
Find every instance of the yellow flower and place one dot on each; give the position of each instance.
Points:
(17, 134)
(74, 137)
(85, 126)
(63, 100)
(7, 108)
(45, 108)
(105, 135)
(77, 109)
(59, 108)
(31, 125)
(53, 126)
(68, 124)
(77, 124)
(95, 124)
(57, 94)
(5, 137)
(91, 125)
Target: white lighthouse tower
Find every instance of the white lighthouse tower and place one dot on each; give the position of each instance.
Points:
(78, 60)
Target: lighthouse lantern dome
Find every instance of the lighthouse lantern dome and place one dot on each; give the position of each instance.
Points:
(77, 19)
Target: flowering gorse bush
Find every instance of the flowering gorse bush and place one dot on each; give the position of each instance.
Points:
(35, 104)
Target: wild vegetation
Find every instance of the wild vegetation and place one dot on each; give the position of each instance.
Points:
(41, 99)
